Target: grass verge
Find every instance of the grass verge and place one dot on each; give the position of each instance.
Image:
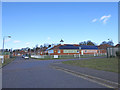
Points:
(105, 64)
(65, 57)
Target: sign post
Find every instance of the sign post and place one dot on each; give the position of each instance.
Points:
(2, 59)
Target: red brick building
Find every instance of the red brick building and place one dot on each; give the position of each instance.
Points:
(103, 48)
(71, 49)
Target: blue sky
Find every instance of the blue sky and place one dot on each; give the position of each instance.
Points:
(31, 23)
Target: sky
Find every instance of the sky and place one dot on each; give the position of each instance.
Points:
(31, 23)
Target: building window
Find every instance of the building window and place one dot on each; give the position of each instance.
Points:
(85, 51)
(70, 51)
(58, 51)
(50, 51)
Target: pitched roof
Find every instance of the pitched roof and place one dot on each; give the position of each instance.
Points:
(77, 47)
(69, 47)
(88, 47)
(118, 45)
(73, 46)
(54, 47)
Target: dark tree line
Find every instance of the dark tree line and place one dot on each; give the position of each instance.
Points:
(92, 43)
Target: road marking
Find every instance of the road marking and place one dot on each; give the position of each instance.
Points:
(101, 81)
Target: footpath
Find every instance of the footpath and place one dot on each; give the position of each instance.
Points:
(108, 79)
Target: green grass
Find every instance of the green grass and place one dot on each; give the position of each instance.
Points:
(106, 64)
(7, 61)
(64, 57)
(50, 58)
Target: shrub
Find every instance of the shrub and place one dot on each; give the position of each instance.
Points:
(118, 54)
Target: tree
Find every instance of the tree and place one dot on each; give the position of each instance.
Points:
(36, 46)
(46, 44)
(110, 43)
(49, 46)
(41, 46)
(83, 43)
(28, 49)
(6, 50)
(32, 50)
(90, 43)
(104, 42)
(87, 43)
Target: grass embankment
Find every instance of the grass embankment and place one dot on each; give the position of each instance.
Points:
(106, 64)
(7, 61)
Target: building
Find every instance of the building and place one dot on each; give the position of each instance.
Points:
(71, 49)
(111, 51)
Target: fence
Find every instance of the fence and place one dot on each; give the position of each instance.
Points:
(67, 56)
(111, 51)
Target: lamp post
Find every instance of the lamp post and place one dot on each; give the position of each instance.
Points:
(61, 41)
(4, 43)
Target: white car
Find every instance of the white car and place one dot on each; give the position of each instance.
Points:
(26, 57)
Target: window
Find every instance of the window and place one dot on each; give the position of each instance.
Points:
(69, 51)
(85, 51)
(58, 51)
(50, 51)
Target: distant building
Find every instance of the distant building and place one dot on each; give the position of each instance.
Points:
(71, 49)
(117, 45)
(111, 51)
(104, 46)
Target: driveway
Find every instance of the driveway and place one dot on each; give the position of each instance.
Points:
(33, 73)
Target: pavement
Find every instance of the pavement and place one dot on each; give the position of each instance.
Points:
(33, 73)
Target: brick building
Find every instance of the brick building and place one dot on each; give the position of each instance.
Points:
(70, 49)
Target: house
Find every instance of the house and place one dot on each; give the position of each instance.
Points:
(103, 48)
(117, 45)
(71, 49)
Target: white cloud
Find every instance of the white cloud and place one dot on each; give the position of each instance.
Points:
(16, 41)
(28, 43)
(105, 18)
(94, 20)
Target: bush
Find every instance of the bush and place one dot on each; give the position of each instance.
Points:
(111, 56)
(118, 54)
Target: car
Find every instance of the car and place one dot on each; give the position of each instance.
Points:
(26, 57)
(23, 56)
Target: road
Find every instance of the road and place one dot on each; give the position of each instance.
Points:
(33, 73)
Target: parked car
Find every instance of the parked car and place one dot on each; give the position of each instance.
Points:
(26, 57)
(23, 56)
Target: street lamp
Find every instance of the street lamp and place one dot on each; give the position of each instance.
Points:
(61, 41)
(4, 42)
(109, 39)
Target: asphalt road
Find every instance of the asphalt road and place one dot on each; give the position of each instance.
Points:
(33, 73)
